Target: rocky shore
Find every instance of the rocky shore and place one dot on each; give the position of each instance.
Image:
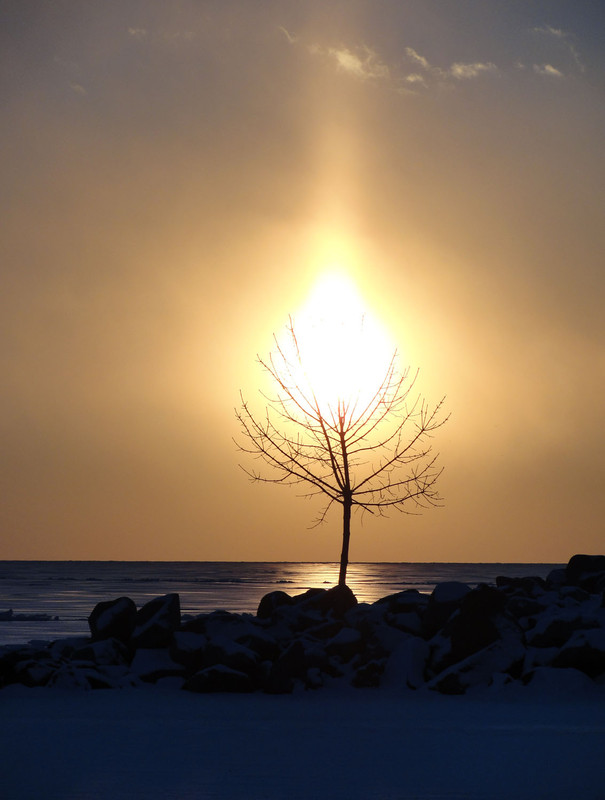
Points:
(457, 638)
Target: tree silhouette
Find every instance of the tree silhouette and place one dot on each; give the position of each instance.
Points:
(372, 455)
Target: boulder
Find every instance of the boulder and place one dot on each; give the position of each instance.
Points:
(152, 664)
(530, 585)
(587, 572)
(405, 666)
(231, 654)
(553, 629)
(558, 682)
(291, 665)
(272, 601)
(157, 621)
(410, 600)
(369, 675)
(188, 649)
(337, 601)
(103, 652)
(585, 651)
(444, 600)
(481, 668)
(113, 619)
(347, 643)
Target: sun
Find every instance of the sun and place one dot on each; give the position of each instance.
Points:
(344, 351)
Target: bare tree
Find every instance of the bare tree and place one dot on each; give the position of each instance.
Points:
(371, 455)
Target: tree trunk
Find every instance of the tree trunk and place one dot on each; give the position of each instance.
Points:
(346, 535)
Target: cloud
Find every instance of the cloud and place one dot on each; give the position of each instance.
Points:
(418, 59)
(291, 39)
(78, 88)
(548, 70)
(566, 40)
(466, 71)
(414, 77)
(365, 66)
(138, 33)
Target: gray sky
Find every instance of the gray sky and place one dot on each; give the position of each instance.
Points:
(176, 176)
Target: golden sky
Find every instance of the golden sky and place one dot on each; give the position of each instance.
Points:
(176, 177)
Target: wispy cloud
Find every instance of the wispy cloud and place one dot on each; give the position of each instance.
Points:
(467, 71)
(567, 40)
(78, 88)
(138, 33)
(548, 70)
(364, 65)
(418, 59)
(291, 39)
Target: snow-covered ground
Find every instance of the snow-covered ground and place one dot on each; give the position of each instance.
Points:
(513, 743)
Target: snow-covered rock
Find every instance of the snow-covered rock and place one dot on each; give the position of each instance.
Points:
(156, 622)
(113, 619)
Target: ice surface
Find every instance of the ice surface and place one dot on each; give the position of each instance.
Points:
(340, 744)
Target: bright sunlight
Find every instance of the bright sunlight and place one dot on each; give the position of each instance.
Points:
(344, 350)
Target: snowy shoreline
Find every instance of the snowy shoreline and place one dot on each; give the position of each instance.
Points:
(469, 693)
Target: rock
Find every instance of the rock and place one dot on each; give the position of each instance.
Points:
(407, 621)
(521, 607)
(555, 628)
(219, 678)
(481, 668)
(113, 619)
(156, 622)
(189, 649)
(556, 578)
(444, 600)
(536, 657)
(410, 600)
(583, 568)
(103, 652)
(152, 664)
(290, 665)
(337, 601)
(406, 665)
(231, 654)
(560, 682)
(530, 585)
(270, 602)
(369, 675)
(34, 672)
(347, 643)
(585, 651)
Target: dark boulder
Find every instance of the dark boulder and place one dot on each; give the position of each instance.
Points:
(587, 572)
(156, 622)
(103, 652)
(270, 602)
(585, 651)
(231, 654)
(556, 628)
(337, 600)
(291, 665)
(113, 619)
(347, 643)
(444, 600)
(410, 600)
(530, 585)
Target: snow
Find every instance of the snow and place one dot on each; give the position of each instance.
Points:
(527, 743)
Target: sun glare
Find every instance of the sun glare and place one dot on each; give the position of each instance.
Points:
(344, 350)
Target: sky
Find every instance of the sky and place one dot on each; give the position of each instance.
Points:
(175, 179)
